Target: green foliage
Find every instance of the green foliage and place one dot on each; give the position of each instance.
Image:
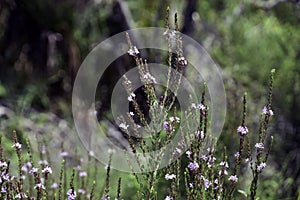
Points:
(245, 38)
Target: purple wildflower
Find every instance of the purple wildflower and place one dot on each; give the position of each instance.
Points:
(82, 174)
(33, 170)
(242, 130)
(71, 194)
(199, 134)
(259, 146)
(54, 185)
(81, 191)
(201, 107)
(64, 154)
(261, 166)
(233, 178)
(267, 112)
(3, 190)
(193, 166)
(166, 126)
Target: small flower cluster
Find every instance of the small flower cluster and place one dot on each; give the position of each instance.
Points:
(199, 134)
(242, 130)
(170, 33)
(168, 126)
(182, 62)
(131, 97)
(133, 51)
(36, 181)
(123, 126)
(148, 78)
(267, 111)
(200, 106)
(170, 176)
(193, 166)
(71, 194)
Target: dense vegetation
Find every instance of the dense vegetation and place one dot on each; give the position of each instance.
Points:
(42, 44)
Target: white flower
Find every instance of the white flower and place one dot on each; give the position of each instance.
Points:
(3, 189)
(149, 78)
(64, 154)
(170, 176)
(133, 51)
(193, 106)
(39, 186)
(43, 162)
(127, 82)
(224, 163)
(91, 153)
(242, 130)
(201, 107)
(237, 154)
(261, 166)
(3, 164)
(81, 191)
(54, 185)
(171, 119)
(168, 198)
(123, 126)
(21, 195)
(110, 151)
(47, 170)
(199, 133)
(178, 150)
(82, 174)
(182, 61)
(43, 149)
(131, 97)
(17, 145)
(267, 112)
(216, 181)
(33, 170)
(204, 157)
(259, 146)
(233, 178)
(169, 33)
(188, 154)
(28, 164)
(5, 176)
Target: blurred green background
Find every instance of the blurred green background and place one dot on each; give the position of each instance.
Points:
(42, 44)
